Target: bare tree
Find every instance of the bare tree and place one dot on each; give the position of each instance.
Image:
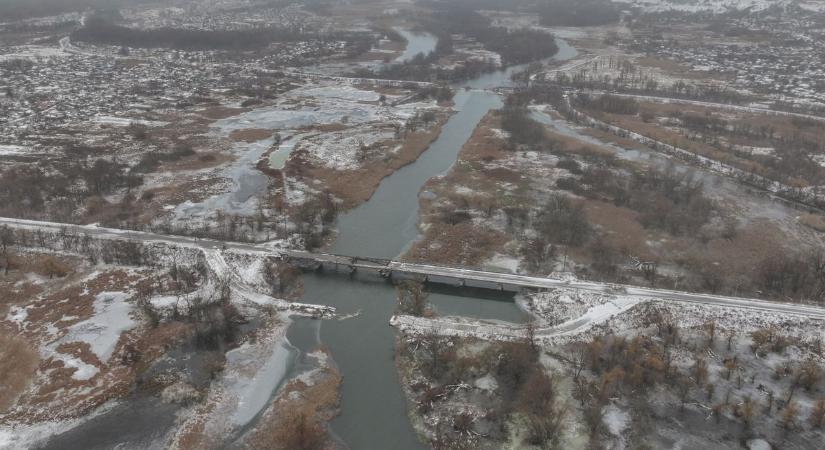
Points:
(817, 417)
(412, 298)
(789, 415)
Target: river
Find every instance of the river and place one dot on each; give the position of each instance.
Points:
(417, 43)
(373, 406)
(374, 410)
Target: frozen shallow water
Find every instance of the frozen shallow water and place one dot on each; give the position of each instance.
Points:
(102, 331)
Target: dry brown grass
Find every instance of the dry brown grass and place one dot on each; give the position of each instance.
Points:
(757, 242)
(57, 394)
(620, 228)
(74, 301)
(18, 362)
(299, 409)
(193, 190)
(250, 135)
(674, 68)
(357, 186)
(815, 221)
(462, 244)
(466, 244)
(676, 138)
(572, 146)
(198, 161)
(327, 127)
(484, 144)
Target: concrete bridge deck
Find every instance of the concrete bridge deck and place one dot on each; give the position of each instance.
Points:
(426, 272)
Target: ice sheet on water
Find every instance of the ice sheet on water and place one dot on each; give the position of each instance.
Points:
(253, 393)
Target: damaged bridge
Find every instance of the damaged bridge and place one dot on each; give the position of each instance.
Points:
(397, 270)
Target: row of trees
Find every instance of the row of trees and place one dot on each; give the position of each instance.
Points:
(27, 190)
(100, 30)
(515, 46)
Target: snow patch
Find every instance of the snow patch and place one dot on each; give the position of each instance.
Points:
(508, 263)
(339, 92)
(12, 150)
(616, 420)
(125, 121)
(83, 370)
(102, 331)
(758, 444)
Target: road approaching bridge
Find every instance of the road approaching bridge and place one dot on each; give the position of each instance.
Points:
(426, 272)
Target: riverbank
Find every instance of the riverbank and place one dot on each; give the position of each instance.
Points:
(354, 187)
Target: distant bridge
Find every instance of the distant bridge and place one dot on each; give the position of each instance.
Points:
(424, 272)
(356, 81)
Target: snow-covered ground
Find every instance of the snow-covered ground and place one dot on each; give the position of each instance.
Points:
(12, 150)
(718, 6)
(32, 52)
(125, 121)
(298, 118)
(111, 318)
(347, 93)
(340, 149)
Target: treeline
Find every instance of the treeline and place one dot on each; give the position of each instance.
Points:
(633, 79)
(104, 32)
(667, 200)
(24, 9)
(790, 163)
(51, 191)
(421, 68)
(522, 129)
(610, 104)
(577, 13)
(514, 46)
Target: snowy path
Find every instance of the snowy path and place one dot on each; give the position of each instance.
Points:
(502, 331)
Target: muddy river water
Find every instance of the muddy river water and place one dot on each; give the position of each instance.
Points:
(373, 408)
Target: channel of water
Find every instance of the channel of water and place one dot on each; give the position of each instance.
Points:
(374, 410)
(418, 42)
(373, 407)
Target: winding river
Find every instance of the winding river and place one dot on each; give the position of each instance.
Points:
(373, 407)
(417, 43)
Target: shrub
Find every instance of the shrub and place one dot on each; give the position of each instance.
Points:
(563, 222)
